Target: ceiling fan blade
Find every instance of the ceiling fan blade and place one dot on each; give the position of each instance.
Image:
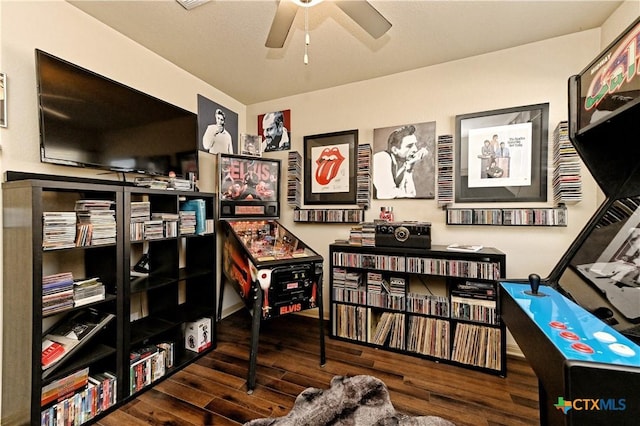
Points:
(366, 16)
(281, 24)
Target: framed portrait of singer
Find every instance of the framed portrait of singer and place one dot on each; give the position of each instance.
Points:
(330, 168)
(501, 155)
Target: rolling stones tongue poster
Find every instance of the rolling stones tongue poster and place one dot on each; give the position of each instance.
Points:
(330, 168)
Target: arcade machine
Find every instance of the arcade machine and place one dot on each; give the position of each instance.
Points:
(580, 327)
(273, 271)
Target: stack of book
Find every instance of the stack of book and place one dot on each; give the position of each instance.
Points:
(140, 213)
(96, 222)
(153, 230)
(59, 230)
(88, 291)
(149, 363)
(169, 223)
(197, 205)
(187, 222)
(77, 398)
(57, 293)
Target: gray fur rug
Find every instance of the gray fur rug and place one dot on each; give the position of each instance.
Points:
(350, 401)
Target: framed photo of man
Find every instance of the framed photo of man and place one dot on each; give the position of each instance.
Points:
(275, 129)
(404, 161)
(217, 128)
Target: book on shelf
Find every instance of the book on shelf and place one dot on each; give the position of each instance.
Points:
(197, 205)
(69, 335)
(64, 386)
(470, 248)
(88, 291)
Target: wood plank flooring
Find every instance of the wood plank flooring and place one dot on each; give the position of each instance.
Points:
(212, 391)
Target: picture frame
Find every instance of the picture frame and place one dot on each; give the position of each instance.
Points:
(217, 127)
(275, 129)
(250, 145)
(501, 155)
(330, 168)
(3, 99)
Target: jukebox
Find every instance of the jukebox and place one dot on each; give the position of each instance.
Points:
(272, 270)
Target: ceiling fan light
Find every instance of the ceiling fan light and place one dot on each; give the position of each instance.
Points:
(307, 3)
(190, 4)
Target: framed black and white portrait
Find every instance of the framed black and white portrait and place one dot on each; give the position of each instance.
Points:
(217, 128)
(250, 145)
(404, 161)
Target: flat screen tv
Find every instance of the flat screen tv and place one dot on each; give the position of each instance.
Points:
(87, 120)
(249, 187)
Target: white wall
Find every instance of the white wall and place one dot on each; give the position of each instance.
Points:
(65, 31)
(529, 74)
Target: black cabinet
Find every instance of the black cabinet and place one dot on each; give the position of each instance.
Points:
(46, 243)
(437, 304)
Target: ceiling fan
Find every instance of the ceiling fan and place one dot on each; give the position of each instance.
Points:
(361, 11)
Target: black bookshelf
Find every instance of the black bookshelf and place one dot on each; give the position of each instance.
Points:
(402, 299)
(179, 288)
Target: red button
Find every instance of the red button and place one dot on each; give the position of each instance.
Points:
(581, 347)
(557, 324)
(569, 335)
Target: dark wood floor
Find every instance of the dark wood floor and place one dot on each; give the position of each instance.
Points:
(212, 391)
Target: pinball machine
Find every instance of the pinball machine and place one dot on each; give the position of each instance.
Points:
(272, 270)
(579, 328)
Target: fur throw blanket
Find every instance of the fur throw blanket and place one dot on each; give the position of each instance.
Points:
(351, 401)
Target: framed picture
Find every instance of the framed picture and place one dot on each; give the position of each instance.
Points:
(217, 128)
(330, 168)
(3, 100)
(250, 145)
(501, 155)
(275, 127)
(404, 161)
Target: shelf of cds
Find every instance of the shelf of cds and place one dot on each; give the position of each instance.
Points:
(294, 179)
(434, 304)
(445, 170)
(95, 272)
(567, 181)
(543, 216)
(363, 177)
(328, 215)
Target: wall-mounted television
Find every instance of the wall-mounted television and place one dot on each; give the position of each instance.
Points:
(87, 120)
(249, 187)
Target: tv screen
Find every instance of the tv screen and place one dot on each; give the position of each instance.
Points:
(88, 120)
(604, 270)
(248, 187)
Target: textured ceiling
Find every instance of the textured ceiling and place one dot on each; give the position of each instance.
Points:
(222, 41)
